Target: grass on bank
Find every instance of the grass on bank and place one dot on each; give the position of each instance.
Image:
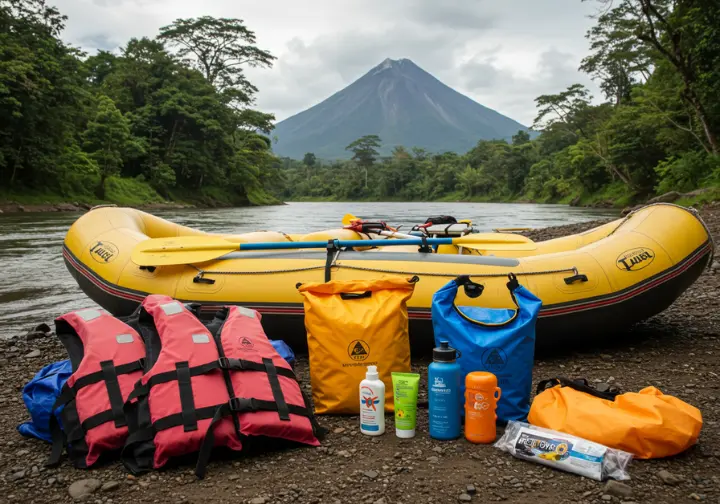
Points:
(136, 192)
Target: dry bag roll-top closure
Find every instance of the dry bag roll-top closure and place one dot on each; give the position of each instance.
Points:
(201, 387)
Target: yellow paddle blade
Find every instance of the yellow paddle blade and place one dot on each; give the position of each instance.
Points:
(180, 250)
(348, 219)
(495, 241)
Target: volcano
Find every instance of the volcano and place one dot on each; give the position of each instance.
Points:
(402, 104)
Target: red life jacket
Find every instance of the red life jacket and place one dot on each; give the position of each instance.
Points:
(207, 390)
(107, 360)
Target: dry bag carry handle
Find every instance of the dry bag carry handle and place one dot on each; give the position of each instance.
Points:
(355, 295)
(473, 290)
(581, 385)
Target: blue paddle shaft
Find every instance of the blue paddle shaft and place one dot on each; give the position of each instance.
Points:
(342, 243)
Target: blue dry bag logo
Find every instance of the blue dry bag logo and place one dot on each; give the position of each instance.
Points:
(494, 359)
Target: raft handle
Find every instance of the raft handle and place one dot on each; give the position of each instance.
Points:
(200, 279)
(575, 278)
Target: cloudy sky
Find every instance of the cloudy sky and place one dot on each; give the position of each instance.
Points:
(501, 53)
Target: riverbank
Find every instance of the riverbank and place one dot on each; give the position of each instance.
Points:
(677, 351)
(131, 193)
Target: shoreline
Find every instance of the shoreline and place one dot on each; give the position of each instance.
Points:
(697, 197)
(677, 351)
(12, 207)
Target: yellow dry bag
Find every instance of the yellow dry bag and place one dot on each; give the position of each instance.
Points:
(351, 325)
(648, 423)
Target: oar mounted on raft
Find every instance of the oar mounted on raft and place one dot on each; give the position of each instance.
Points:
(198, 249)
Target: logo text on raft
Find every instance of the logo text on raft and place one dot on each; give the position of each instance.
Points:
(104, 251)
(635, 259)
(358, 350)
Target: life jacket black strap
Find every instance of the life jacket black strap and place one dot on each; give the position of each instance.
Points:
(187, 402)
(108, 373)
(110, 378)
(221, 363)
(277, 391)
(235, 405)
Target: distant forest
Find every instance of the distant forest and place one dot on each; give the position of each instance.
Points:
(164, 118)
(657, 63)
(173, 118)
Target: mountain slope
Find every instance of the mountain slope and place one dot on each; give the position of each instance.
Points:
(401, 103)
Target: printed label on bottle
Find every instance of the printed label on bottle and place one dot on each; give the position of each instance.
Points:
(369, 404)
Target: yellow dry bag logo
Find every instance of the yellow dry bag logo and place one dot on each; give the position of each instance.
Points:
(635, 259)
(103, 251)
(358, 350)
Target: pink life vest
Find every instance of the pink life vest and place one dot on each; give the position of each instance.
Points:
(206, 390)
(107, 360)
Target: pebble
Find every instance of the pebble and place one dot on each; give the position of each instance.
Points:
(371, 474)
(669, 478)
(344, 453)
(257, 500)
(110, 486)
(606, 497)
(470, 490)
(433, 460)
(381, 500)
(617, 489)
(33, 355)
(16, 476)
(83, 488)
(339, 430)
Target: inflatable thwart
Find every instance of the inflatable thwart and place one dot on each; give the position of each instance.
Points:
(591, 284)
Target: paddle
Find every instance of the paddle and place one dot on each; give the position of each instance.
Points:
(196, 249)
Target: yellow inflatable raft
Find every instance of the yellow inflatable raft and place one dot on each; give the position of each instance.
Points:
(592, 283)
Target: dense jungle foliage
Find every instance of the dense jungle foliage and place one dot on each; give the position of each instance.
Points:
(169, 117)
(658, 130)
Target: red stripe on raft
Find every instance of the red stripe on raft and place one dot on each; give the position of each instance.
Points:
(628, 295)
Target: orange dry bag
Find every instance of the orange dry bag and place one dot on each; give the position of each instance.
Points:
(352, 325)
(648, 424)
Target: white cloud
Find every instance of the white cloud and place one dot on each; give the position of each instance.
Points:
(502, 54)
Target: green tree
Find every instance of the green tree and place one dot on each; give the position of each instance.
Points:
(365, 152)
(219, 48)
(107, 138)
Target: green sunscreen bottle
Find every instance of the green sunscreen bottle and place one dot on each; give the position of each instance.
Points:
(405, 394)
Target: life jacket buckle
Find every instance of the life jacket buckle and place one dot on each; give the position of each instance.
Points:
(242, 404)
(224, 363)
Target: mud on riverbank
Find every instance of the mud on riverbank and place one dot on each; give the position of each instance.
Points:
(677, 351)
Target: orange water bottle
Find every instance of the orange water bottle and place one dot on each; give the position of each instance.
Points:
(481, 396)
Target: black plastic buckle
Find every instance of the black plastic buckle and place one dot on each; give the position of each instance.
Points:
(473, 290)
(242, 404)
(424, 248)
(224, 363)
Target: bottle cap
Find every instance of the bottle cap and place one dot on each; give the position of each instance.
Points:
(372, 373)
(444, 353)
(481, 380)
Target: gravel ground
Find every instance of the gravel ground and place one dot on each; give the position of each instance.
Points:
(677, 351)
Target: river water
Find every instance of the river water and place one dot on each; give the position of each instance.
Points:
(35, 286)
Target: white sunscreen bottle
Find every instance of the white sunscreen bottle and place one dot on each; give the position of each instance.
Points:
(372, 403)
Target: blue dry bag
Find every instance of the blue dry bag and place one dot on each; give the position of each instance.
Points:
(499, 341)
(40, 394)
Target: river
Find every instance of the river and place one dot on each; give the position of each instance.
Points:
(35, 286)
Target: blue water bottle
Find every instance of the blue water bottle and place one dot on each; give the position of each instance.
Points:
(444, 379)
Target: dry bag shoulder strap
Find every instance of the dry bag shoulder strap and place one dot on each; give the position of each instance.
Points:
(581, 385)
